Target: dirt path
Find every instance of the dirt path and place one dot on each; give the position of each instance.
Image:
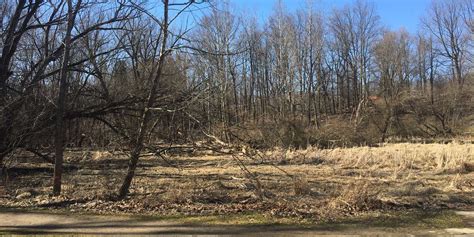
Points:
(44, 223)
(468, 216)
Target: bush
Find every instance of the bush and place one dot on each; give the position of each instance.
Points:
(356, 197)
(301, 187)
(340, 132)
(335, 132)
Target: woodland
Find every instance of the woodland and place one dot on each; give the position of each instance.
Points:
(108, 104)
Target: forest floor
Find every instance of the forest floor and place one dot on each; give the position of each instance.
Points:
(395, 185)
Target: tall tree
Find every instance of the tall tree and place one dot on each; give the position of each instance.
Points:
(158, 48)
(393, 59)
(445, 23)
(355, 29)
(14, 26)
(60, 131)
(311, 44)
(426, 64)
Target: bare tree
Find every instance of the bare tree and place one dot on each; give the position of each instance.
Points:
(218, 33)
(163, 47)
(40, 33)
(115, 74)
(311, 55)
(14, 25)
(72, 11)
(426, 64)
(393, 63)
(282, 39)
(445, 22)
(469, 14)
(355, 30)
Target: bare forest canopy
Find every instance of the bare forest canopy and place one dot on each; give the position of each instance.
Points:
(133, 74)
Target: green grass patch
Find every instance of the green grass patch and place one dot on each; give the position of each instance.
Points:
(409, 219)
(246, 219)
(412, 219)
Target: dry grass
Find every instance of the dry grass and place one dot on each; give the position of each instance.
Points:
(311, 183)
(101, 155)
(451, 157)
(358, 197)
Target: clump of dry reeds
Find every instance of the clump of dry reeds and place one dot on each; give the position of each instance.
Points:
(301, 186)
(453, 157)
(100, 155)
(355, 198)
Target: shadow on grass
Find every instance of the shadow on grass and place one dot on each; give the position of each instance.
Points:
(249, 223)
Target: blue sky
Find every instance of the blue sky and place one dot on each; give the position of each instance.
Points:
(394, 14)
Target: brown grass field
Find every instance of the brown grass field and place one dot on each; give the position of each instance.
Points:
(311, 184)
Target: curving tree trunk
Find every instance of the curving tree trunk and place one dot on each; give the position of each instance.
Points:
(137, 145)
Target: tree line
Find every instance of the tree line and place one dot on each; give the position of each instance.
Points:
(308, 68)
(132, 75)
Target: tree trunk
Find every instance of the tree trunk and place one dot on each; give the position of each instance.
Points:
(146, 113)
(60, 130)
